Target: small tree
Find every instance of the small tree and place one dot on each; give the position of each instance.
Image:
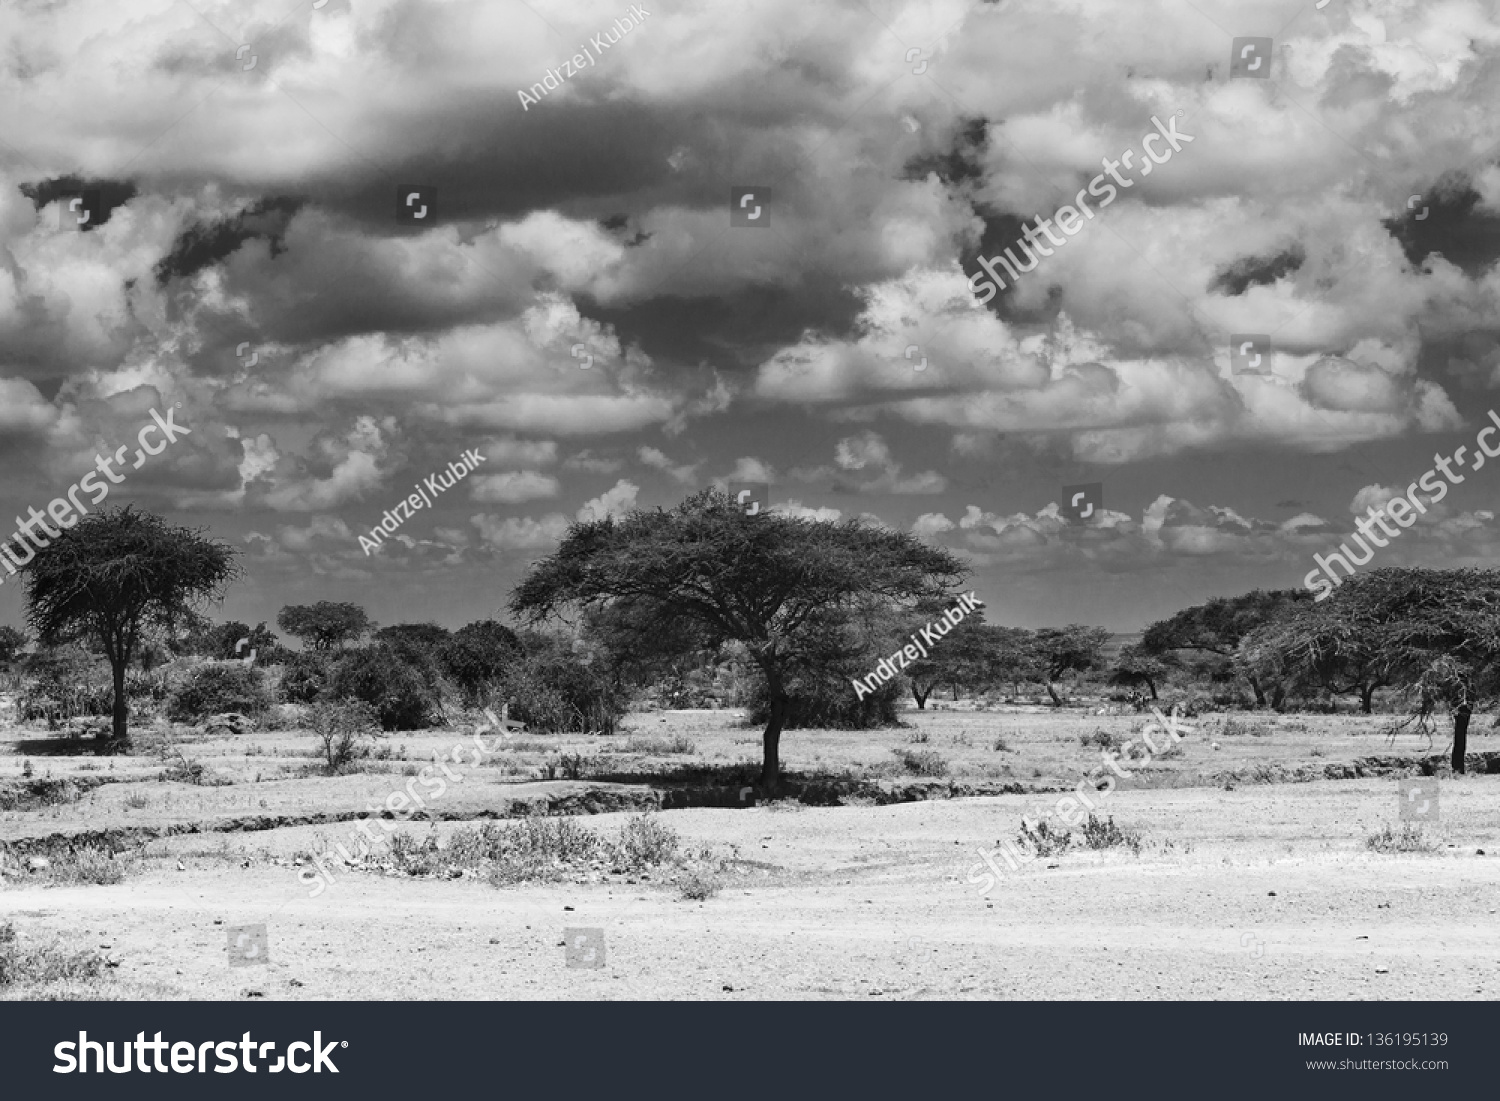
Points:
(770, 581)
(478, 656)
(344, 726)
(1135, 667)
(114, 577)
(1067, 649)
(325, 624)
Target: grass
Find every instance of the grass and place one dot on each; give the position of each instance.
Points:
(542, 850)
(918, 737)
(44, 964)
(88, 865)
(34, 794)
(1409, 840)
(659, 747)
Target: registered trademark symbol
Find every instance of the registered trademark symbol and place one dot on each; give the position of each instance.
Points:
(1179, 113)
(178, 405)
(344, 1044)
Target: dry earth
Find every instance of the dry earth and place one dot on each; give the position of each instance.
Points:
(1267, 890)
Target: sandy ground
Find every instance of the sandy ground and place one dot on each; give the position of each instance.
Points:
(1265, 891)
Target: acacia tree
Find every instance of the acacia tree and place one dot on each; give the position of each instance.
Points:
(1435, 633)
(1135, 667)
(1217, 627)
(967, 657)
(1060, 650)
(116, 577)
(774, 583)
(1309, 646)
(325, 624)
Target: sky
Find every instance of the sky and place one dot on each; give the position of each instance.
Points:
(586, 302)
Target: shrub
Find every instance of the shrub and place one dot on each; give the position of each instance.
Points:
(1409, 840)
(1104, 739)
(382, 678)
(304, 676)
(217, 687)
(922, 762)
(698, 885)
(1045, 840)
(554, 692)
(1107, 835)
(478, 656)
(918, 737)
(644, 842)
(344, 727)
(1002, 746)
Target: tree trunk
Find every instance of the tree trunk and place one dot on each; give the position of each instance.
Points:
(1460, 736)
(770, 768)
(1366, 692)
(1151, 684)
(120, 738)
(1051, 691)
(955, 691)
(1278, 697)
(919, 696)
(1260, 696)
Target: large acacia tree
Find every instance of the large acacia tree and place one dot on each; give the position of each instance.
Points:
(1434, 633)
(1217, 628)
(117, 576)
(775, 583)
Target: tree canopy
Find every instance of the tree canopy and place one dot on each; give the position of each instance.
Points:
(116, 576)
(324, 625)
(781, 585)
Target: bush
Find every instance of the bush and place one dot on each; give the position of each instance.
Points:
(1409, 840)
(218, 687)
(478, 656)
(344, 727)
(389, 683)
(644, 842)
(1104, 739)
(1107, 835)
(553, 692)
(304, 676)
(922, 762)
(697, 885)
(1045, 840)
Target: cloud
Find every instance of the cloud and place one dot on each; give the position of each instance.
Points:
(615, 501)
(513, 487)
